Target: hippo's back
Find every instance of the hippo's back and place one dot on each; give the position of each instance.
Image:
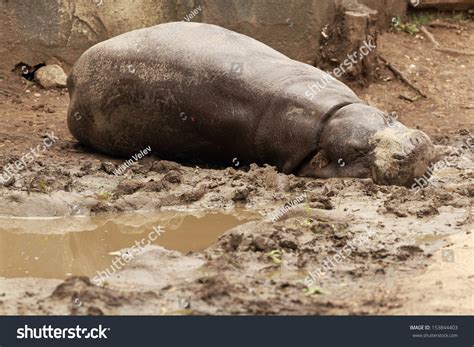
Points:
(190, 48)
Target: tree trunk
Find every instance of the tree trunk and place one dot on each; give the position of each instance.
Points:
(349, 44)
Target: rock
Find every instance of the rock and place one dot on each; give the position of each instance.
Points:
(127, 187)
(408, 251)
(283, 183)
(37, 107)
(163, 166)
(262, 244)
(193, 195)
(142, 167)
(155, 186)
(470, 191)
(9, 182)
(232, 242)
(108, 167)
(51, 76)
(288, 244)
(74, 284)
(240, 195)
(94, 311)
(173, 177)
(101, 207)
(271, 178)
(321, 202)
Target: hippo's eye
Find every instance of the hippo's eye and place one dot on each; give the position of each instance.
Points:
(389, 118)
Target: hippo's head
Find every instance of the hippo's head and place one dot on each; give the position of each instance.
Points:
(361, 141)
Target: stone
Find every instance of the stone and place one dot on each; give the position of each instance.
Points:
(127, 187)
(51, 76)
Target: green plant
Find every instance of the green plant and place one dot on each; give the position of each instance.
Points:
(103, 196)
(410, 28)
(43, 186)
(415, 20)
(275, 256)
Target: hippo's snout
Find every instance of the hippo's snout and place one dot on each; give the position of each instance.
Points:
(401, 156)
(414, 142)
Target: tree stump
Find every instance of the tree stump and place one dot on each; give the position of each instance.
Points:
(350, 43)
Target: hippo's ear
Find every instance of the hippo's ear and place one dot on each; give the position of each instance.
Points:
(440, 152)
(319, 160)
(317, 166)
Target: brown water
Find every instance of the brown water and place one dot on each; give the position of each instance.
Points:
(62, 247)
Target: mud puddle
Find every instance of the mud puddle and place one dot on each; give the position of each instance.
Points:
(74, 246)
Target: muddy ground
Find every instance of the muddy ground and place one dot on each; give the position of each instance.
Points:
(418, 258)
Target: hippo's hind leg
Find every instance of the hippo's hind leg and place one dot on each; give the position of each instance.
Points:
(80, 122)
(83, 126)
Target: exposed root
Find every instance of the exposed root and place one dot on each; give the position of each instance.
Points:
(401, 76)
(454, 51)
(443, 49)
(440, 24)
(429, 36)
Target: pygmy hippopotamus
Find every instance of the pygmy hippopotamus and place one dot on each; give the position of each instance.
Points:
(199, 92)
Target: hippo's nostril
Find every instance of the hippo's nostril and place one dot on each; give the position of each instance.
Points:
(417, 139)
(413, 144)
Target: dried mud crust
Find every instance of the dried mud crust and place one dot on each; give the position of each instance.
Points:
(260, 267)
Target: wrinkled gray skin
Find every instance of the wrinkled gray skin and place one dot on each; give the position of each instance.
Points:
(196, 91)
